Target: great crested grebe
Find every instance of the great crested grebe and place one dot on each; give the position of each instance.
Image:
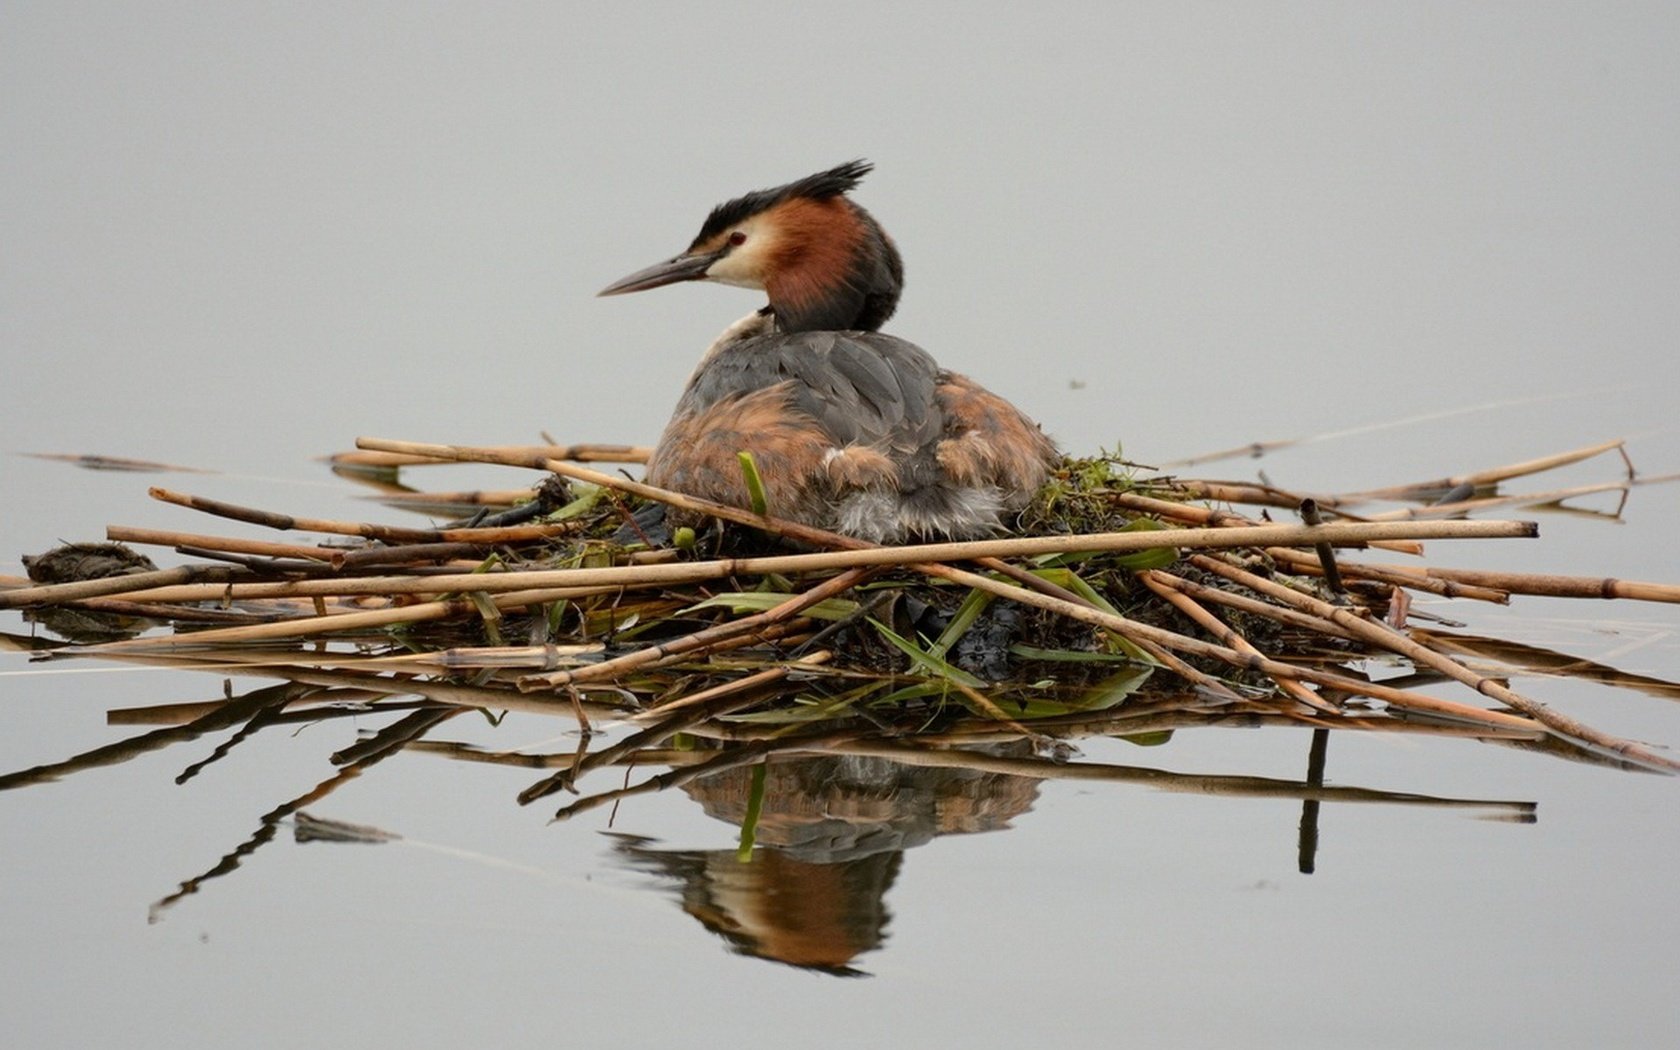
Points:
(851, 429)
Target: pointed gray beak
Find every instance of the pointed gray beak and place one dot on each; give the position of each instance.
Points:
(689, 266)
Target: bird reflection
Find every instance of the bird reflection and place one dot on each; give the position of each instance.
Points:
(829, 814)
(830, 838)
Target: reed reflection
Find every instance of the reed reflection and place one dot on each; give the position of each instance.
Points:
(828, 812)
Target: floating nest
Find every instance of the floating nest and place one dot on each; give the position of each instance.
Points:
(1126, 603)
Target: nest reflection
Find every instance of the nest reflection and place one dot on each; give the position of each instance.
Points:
(826, 815)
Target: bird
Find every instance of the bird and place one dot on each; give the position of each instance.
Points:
(852, 430)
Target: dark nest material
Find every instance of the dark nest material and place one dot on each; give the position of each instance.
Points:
(1127, 605)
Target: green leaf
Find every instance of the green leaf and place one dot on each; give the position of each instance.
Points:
(804, 709)
(1158, 558)
(927, 662)
(1099, 697)
(755, 484)
(588, 496)
(969, 611)
(1072, 582)
(1155, 739)
(759, 601)
(487, 612)
(755, 806)
(556, 612)
(919, 691)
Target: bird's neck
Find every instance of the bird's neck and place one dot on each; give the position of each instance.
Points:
(843, 274)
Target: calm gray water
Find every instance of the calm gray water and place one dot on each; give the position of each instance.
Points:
(237, 238)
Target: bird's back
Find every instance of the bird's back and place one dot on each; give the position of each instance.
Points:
(859, 432)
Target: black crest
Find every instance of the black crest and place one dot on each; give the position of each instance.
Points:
(821, 186)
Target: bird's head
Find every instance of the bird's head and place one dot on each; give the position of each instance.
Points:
(824, 262)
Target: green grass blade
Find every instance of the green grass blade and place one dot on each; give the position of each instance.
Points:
(755, 806)
(755, 484)
(926, 662)
(969, 611)
(759, 601)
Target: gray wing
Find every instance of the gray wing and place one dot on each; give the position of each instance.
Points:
(860, 387)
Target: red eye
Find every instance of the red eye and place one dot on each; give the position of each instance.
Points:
(737, 239)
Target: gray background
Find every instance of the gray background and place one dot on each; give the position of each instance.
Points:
(237, 236)
(232, 226)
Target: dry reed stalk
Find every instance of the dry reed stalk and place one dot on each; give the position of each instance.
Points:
(510, 657)
(1168, 659)
(175, 613)
(1254, 606)
(1161, 508)
(788, 634)
(688, 766)
(931, 552)
(1548, 585)
(1248, 715)
(367, 530)
(1295, 561)
(58, 593)
(1399, 698)
(580, 453)
(706, 696)
(1459, 508)
(485, 657)
(1172, 511)
(1394, 641)
(1424, 489)
(910, 555)
(390, 586)
(1265, 665)
(470, 498)
(171, 538)
(1253, 495)
(689, 644)
(1556, 586)
(411, 554)
(1155, 580)
(1127, 627)
(338, 557)
(338, 623)
(1257, 449)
